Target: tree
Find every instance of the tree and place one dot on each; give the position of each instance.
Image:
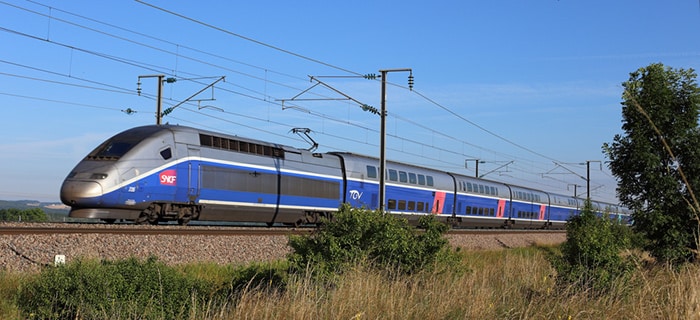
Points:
(657, 159)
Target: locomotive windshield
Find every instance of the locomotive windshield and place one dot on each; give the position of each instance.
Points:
(111, 150)
(119, 145)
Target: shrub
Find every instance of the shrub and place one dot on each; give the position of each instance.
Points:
(591, 256)
(264, 276)
(28, 215)
(91, 290)
(359, 235)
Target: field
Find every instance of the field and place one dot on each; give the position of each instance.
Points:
(502, 284)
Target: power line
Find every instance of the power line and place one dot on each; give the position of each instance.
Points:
(341, 69)
(131, 62)
(248, 39)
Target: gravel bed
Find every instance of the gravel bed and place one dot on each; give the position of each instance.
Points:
(28, 253)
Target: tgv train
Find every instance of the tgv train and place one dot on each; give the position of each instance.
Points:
(159, 173)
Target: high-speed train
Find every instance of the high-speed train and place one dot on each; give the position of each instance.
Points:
(157, 173)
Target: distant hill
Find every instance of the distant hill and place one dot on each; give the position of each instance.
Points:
(50, 208)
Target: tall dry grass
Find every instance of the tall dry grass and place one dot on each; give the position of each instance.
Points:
(517, 284)
(506, 284)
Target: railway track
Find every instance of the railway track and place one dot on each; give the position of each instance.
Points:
(66, 228)
(149, 230)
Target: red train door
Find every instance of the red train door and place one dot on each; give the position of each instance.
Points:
(501, 208)
(438, 202)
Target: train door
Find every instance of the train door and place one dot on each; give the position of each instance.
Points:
(501, 208)
(193, 175)
(188, 178)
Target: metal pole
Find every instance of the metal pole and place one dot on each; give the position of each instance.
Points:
(159, 103)
(159, 100)
(382, 147)
(588, 180)
(382, 142)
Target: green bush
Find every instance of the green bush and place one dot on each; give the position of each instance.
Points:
(28, 215)
(265, 276)
(359, 235)
(93, 290)
(591, 256)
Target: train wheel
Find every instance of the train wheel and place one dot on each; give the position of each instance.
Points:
(183, 221)
(142, 219)
(148, 216)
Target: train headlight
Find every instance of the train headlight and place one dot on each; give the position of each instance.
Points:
(98, 176)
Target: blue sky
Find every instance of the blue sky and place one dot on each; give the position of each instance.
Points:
(532, 82)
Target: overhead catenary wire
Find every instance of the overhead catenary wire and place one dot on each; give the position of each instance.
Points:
(265, 44)
(261, 97)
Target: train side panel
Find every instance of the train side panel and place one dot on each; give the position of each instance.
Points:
(270, 185)
(529, 208)
(410, 191)
(481, 203)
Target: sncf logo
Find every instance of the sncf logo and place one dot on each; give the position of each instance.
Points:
(168, 177)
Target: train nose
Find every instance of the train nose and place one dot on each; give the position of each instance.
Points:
(77, 193)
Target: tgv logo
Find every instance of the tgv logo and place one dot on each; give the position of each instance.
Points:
(355, 195)
(168, 177)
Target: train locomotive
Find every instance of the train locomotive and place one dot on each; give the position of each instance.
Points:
(159, 173)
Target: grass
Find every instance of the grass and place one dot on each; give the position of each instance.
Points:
(505, 284)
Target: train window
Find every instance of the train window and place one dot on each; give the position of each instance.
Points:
(402, 204)
(403, 177)
(371, 172)
(491, 212)
(206, 140)
(166, 154)
(469, 186)
(421, 179)
(468, 210)
(481, 211)
(393, 175)
(412, 206)
(429, 180)
(494, 191)
(420, 207)
(412, 178)
(392, 204)
(481, 188)
(243, 146)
